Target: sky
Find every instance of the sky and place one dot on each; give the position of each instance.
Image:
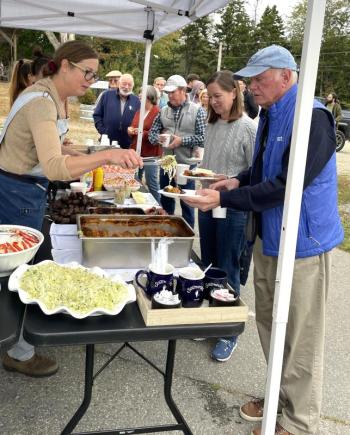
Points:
(284, 6)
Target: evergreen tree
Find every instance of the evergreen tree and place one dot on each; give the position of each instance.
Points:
(270, 29)
(236, 34)
(197, 51)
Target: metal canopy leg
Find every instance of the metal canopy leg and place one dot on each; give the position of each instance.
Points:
(89, 369)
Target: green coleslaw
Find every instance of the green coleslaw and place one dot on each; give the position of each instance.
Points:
(75, 288)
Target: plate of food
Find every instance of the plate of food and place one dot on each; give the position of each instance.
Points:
(71, 289)
(111, 184)
(176, 192)
(201, 174)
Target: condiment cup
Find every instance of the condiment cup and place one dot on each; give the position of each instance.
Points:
(219, 212)
(78, 186)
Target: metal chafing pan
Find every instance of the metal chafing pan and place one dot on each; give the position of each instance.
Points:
(112, 242)
(103, 209)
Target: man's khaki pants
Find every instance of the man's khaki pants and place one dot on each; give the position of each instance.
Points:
(302, 373)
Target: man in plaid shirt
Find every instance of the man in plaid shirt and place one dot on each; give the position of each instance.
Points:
(186, 123)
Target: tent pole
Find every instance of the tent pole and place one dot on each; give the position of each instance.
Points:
(292, 204)
(144, 90)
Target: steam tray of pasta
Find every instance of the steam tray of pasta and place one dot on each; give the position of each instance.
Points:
(125, 241)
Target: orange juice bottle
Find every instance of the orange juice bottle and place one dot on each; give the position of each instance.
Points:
(98, 179)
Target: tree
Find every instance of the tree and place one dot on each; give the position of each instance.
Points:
(196, 48)
(334, 63)
(236, 34)
(270, 29)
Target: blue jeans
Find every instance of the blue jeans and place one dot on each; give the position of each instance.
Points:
(169, 203)
(152, 179)
(222, 242)
(22, 203)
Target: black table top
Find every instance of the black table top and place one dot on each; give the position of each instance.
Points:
(11, 314)
(61, 329)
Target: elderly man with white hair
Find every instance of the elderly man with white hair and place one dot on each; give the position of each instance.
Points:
(261, 189)
(115, 111)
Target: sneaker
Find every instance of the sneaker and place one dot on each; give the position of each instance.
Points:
(224, 349)
(37, 366)
(279, 430)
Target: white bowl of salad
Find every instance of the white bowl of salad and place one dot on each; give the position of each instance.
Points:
(18, 245)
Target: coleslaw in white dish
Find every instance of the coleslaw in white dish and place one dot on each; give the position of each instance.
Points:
(71, 288)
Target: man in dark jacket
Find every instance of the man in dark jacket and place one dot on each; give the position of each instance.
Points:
(115, 111)
(250, 107)
(261, 189)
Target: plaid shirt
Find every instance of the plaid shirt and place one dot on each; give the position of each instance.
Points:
(195, 140)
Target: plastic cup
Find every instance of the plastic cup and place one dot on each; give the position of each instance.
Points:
(165, 139)
(219, 212)
(200, 152)
(180, 168)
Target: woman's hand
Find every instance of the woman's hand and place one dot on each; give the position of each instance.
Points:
(132, 131)
(127, 159)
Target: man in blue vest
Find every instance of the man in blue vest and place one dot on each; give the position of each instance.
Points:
(261, 189)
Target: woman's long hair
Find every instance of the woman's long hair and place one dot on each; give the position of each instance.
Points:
(19, 79)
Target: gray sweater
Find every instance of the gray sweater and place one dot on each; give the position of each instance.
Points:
(228, 147)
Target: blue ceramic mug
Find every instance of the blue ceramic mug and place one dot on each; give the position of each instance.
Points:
(215, 278)
(156, 281)
(190, 286)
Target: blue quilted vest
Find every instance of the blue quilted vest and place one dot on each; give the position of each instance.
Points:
(320, 229)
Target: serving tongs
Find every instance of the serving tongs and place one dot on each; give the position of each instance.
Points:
(148, 161)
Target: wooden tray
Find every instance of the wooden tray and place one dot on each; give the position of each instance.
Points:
(189, 316)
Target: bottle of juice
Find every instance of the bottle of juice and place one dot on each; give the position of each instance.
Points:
(98, 179)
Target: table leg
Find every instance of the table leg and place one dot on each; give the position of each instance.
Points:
(168, 378)
(89, 369)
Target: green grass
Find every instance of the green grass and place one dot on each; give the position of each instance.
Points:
(344, 209)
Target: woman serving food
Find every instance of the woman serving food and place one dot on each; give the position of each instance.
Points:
(31, 155)
(30, 144)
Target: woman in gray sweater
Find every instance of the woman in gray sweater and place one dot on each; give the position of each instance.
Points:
(228, 150)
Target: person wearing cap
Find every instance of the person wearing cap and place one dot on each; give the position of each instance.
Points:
(116, 110)
(113, 78)
(186, 122)
(261, 189)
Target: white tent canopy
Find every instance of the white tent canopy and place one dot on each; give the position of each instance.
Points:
(114, 19)
(130, 20)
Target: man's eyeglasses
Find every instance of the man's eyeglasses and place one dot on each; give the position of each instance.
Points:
(88, 74)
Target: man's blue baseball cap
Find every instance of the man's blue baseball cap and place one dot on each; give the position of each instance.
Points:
(273, 56)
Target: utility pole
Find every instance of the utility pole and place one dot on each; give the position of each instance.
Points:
(219, 57)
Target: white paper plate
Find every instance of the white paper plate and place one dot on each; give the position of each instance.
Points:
(208, 178)
(188, 193)
(101, 195)
(14, 285)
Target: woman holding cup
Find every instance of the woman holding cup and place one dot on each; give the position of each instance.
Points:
(228, 148)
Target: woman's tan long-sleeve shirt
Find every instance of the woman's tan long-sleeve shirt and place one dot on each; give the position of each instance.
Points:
(32, 136)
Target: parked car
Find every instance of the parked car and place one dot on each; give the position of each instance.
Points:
(343, 127)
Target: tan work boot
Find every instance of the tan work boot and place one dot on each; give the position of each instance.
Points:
(279, 430)
(253, 410)
(37, 366)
